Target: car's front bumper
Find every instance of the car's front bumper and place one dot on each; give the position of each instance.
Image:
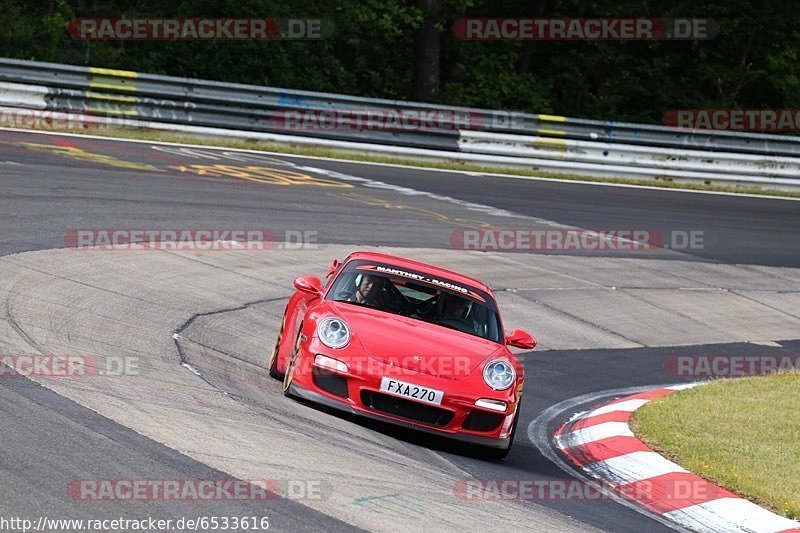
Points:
(329, 401)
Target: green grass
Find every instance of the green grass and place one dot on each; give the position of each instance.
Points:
(742, 434)
(354, 155)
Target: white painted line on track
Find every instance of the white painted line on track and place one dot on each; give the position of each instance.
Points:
(627, 406)
(635, 466)
(597, 432)
(470, 173)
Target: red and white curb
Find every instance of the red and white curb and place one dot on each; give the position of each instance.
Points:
(602, 445)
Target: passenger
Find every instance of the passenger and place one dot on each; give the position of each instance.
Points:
(454, 307)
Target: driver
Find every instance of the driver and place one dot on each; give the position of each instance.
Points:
(453, 314)
(369, 290)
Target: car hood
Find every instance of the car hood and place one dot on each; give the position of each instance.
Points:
(415, 344)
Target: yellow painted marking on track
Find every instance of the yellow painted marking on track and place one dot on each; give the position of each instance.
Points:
(199, 172)
(270, 176)
(553, 118)
(555, 133)
(74, 152)
(440, 217)
(111, 97)
(113, 72)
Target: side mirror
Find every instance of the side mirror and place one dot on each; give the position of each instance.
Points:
(521, 339)
(308, 284)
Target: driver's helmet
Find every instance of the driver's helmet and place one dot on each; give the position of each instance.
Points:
(378, 282)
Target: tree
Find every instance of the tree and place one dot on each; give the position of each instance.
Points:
(427, 53)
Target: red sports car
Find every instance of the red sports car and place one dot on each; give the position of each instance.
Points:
(406, 343)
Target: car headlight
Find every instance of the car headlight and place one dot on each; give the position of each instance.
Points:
(499, 374)
(333, 332)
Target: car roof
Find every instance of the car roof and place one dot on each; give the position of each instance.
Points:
(422, 267)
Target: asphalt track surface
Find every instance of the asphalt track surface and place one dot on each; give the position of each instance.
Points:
(49, 189)
(51, 184)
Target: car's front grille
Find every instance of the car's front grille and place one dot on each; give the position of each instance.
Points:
(330, 381)
(482, 421)
(428, 414)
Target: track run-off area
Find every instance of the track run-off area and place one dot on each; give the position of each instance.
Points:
(196, 327)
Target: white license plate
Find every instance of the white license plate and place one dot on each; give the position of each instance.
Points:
(409, 390)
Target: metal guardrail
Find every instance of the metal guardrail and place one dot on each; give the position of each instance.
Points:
(628, 154)
(542, 142)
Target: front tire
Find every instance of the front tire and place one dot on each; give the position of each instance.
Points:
(287, 378)
(273, 360)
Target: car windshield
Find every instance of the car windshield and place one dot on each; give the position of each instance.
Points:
(418, 296)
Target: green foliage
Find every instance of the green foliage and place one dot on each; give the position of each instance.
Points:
(752, 63)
